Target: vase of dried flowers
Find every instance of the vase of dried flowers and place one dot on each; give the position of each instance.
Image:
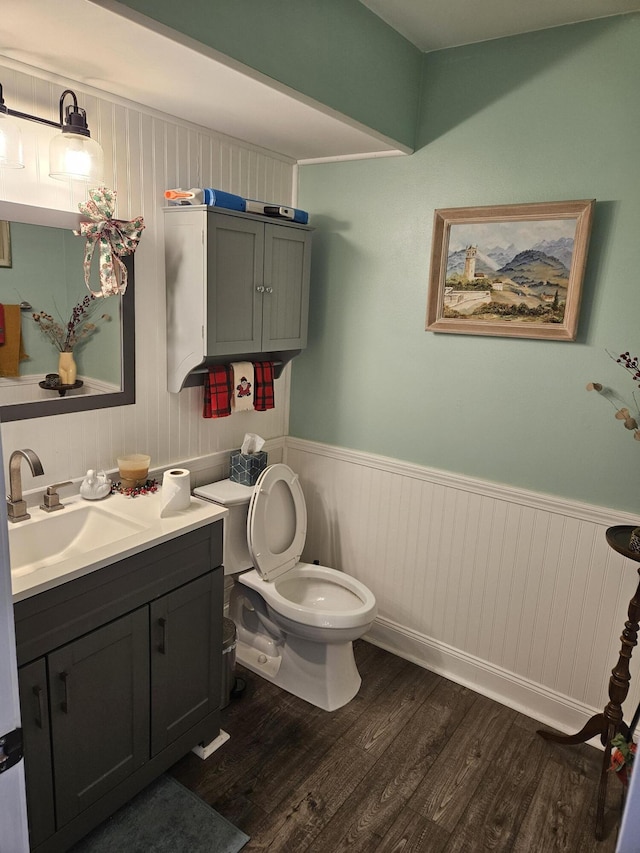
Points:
(67, 369)
(66, 337)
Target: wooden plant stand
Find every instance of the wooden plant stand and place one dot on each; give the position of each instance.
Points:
(607, 724)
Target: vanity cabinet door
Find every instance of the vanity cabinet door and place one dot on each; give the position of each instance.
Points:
(186, 657)
(36, 733)
(99, 689)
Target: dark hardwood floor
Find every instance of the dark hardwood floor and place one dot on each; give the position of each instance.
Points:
(413, 763)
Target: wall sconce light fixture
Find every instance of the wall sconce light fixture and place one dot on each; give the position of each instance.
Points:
(72, 153)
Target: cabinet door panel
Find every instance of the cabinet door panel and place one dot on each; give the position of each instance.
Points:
(286, 299)
(186, 658)
(99, 711)
(34, 710)
(235, 249)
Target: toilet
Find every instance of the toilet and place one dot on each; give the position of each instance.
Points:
(296, 621)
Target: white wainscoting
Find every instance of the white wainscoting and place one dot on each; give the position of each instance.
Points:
(512, 593)
(146, 152)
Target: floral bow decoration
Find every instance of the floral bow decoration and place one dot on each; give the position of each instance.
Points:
(113, 238)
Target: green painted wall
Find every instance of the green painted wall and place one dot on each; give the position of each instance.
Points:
(547, 116)
(335, 51)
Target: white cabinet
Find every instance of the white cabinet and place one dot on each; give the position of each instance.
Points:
(237, 288)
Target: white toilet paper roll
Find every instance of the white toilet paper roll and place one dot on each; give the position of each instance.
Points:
(175, 494)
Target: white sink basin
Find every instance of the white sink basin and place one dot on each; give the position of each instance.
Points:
(63, 534)
(52, 548)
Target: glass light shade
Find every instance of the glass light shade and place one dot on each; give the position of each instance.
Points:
(11, 156)
(72, 155)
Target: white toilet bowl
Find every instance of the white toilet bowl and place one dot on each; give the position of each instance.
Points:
(316, 602)
(296, 621)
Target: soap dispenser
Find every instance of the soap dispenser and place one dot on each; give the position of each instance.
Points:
(95, 486)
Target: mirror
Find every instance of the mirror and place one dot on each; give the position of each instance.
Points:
(41, 266)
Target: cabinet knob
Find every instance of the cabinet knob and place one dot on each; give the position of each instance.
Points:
(260, 288)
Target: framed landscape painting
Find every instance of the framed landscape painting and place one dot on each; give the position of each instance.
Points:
(513, 270)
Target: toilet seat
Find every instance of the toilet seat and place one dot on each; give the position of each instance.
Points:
(276, 522)
(316, 597)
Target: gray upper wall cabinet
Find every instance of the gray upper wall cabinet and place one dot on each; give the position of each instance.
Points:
(237, 288)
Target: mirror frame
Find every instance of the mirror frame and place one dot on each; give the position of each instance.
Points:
(62, 405)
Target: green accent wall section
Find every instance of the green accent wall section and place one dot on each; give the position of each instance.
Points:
(546, 116)
(335, 51)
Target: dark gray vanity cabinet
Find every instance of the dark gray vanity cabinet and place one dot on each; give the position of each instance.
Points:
(120, 675)
(237, 288)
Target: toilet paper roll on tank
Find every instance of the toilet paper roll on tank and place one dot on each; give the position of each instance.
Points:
(175, 494)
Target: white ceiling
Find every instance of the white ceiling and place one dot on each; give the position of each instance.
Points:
(438, 24)
(110, 49)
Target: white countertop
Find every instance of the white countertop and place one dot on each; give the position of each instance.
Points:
(143, 510)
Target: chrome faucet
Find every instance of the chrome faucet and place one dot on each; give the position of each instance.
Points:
(16, 506)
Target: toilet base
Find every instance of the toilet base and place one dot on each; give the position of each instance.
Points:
(323, 674)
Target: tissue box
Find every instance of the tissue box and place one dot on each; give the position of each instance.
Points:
(247, 467)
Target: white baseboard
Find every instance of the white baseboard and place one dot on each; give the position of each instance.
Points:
(551, 708)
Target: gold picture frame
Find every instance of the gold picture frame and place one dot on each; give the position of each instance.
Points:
(5, 244)
(512, 270)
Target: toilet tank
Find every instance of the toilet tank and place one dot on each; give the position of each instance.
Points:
(235, 497)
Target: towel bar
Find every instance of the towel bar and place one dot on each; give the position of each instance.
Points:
(196, 376)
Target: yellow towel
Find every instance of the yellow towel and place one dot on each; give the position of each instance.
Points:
(12, 350)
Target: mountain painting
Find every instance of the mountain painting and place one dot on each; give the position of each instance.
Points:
(508, 270)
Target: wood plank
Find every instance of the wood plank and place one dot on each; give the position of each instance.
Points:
(375, 730)
(586, 841)
(304, 813)
(413, 833)
(493, 817)
(549, 825)
(462, 773)
(581, 765)
(444, 793)
(374, 807)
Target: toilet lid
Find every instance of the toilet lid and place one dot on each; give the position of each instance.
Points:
(277, 522)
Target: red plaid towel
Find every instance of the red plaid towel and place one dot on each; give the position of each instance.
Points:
(217, 392)
(263, 387)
